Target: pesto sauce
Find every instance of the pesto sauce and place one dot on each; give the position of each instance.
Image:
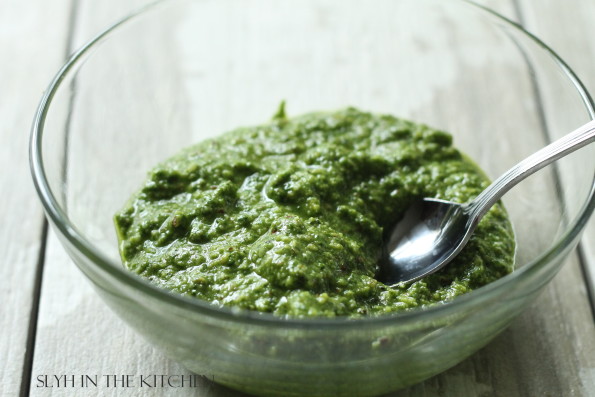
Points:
(289, 217)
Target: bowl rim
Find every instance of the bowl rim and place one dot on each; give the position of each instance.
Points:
(60, 220)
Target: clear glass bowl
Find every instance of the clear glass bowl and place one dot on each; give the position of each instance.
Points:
(179, 71)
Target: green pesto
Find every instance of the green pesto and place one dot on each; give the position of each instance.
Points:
(288, 217)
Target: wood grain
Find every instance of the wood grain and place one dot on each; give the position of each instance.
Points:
(31, 51)
(575, 43)
(549, 350)
(76, 333)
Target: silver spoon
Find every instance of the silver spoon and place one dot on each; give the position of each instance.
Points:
(432, 232)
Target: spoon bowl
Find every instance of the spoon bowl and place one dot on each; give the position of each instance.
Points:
(431, 232)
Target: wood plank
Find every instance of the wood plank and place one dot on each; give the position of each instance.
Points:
(549, 349)
(576, 45)
(77, 334)
(32, 42)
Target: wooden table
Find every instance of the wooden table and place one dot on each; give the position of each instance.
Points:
(52, 323)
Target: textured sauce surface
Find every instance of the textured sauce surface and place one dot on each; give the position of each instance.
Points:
(289, 217)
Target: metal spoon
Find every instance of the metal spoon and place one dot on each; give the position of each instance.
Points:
(432, 232)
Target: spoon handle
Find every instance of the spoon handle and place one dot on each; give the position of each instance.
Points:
(578, 138)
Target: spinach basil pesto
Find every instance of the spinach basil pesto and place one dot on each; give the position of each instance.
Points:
(289, 217)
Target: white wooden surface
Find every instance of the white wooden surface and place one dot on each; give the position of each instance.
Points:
(575, 44)
(549, 350)
(33, 37)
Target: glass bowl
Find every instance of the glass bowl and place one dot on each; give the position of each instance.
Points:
(178, 71)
